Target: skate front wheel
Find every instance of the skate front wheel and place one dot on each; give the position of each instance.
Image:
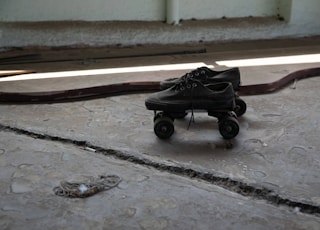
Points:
(229, 127)
(241, 107)
(163, 127)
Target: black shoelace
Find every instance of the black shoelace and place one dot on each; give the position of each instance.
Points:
(195, 73)
(190, 84)
(192, 114)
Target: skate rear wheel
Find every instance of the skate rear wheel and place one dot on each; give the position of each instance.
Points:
(241, 107)
(163, 127)
(229, 127)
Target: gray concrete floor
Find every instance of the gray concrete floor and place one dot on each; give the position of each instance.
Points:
(266, 178)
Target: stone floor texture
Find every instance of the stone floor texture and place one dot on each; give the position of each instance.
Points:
(265, 178)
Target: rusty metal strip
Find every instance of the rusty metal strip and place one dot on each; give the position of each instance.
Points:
(138, 87)
(281, 83)
(19, 59)
(37, 58)
(7, 73)
(79, 94)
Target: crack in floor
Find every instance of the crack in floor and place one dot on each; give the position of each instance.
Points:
(254, 191)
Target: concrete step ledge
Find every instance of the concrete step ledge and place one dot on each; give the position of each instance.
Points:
(81, 33)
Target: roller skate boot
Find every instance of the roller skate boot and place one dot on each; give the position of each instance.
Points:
(191, 95)
(208, 76)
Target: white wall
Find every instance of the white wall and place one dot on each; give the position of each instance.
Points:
(285, 8)
(304, 16)
(125, 10)
(86, 10)
(301, 19)
(213, 9)
(154, 10)
(305, 12)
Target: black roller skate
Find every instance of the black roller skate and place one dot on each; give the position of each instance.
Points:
(191, 95)
(208, 76)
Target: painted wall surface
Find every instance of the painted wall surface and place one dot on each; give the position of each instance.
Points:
(126, 10)
(285, 8)
(213, 9)
(305, 16)
(305, 12)
(83, 10)
(75, 21)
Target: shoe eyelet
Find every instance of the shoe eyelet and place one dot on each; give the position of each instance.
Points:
(203, 72)
(182, 88)
(197, 74)
(188, 86)
(194, 84)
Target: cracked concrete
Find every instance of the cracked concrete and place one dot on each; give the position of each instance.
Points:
(194, 180)
(255, 191)
(32, 167)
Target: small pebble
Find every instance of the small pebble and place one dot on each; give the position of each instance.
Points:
(90, 149)
(296, 210)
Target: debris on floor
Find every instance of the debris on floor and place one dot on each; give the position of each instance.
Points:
(86, 189)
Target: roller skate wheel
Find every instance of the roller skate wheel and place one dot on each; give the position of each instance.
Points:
(163, 127)
(229, 127)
